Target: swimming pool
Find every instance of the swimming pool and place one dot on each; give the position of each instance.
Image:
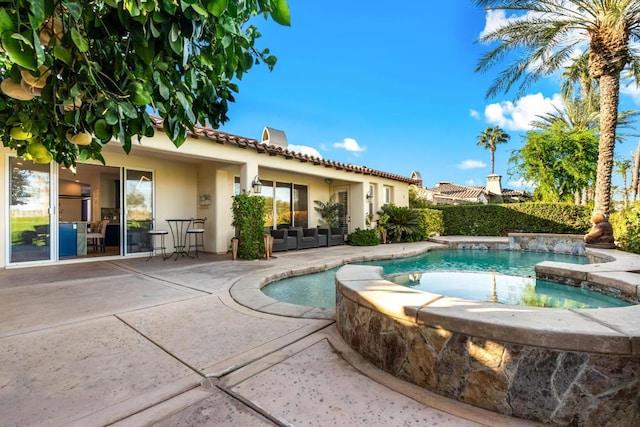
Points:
(499, 276)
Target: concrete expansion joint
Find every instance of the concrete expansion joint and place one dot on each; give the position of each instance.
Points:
(255, 407)
(156, 344)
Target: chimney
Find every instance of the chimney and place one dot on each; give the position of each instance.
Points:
(494, 187)
(274, 137)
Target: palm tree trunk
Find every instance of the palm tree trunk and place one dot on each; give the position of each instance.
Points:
(493, 162)
(609, 94)
(634, 173)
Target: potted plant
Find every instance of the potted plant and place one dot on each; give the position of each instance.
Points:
(328, 211)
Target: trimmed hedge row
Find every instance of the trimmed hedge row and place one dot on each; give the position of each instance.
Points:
(502, 219)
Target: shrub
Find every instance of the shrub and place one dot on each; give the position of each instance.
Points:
(626, 228)
(429, 224)
(248, 221)
(403, 222)
(364, 237)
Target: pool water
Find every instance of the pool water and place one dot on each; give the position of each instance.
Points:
(506, 277)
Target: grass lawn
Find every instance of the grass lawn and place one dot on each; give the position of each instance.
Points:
(18, 225)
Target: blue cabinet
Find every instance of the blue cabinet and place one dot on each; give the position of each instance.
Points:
(68, 245)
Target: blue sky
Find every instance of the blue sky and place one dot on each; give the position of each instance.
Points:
(390, 86)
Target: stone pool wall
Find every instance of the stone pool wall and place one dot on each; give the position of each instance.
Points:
(564, 367)
(570, 244)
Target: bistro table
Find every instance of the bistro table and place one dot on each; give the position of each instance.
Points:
(179, 229)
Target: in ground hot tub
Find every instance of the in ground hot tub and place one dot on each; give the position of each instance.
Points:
(561, 366)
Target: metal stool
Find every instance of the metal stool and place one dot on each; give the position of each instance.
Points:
(162, 247)
(197, 231)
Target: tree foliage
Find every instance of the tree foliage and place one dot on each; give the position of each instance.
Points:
(558, 161)
(80, 73)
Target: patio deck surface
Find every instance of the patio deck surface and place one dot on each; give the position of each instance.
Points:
(131, 343)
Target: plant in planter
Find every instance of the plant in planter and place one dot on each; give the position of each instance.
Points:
(328, 211)
(383, 218)
(249, 224)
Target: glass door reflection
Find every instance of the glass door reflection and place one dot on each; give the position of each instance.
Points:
(29, 211)
(138, 210)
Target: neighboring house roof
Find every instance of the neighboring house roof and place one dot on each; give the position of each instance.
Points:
(455, 191)
(450, 191)
(273, 150)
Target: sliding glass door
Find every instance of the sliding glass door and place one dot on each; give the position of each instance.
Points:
(138, 210)
(30, 214)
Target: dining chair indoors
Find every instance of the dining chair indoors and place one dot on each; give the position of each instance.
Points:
(96, 237)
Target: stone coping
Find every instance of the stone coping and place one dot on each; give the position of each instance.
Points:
(247, 290)
(609, 331)
(613, 271)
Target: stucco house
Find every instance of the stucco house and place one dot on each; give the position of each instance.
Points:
(47, 208)
(453, 194)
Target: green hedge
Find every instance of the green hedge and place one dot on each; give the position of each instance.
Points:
(361, 237)
(249, 224)
(431, 224)
(502, 219)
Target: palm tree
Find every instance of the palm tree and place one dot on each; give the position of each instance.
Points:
(491, 137)
(548, 36)
(577, 74)
(634, 173)
(622, 167)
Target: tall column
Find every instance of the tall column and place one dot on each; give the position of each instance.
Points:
(248, 173)
(221, 210)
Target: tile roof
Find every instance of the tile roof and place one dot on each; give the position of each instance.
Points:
(465, 192)
(274, 150)
(456, 191)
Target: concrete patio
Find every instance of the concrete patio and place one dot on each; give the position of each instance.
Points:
(127, 342)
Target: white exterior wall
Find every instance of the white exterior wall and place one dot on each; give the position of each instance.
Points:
(202, 166)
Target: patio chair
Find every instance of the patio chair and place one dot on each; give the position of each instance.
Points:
(154, 244)
(335, 235)
(306, 237)
(196, 230)
(280, 239)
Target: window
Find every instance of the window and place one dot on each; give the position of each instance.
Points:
(371, 198)
(387, 195)
(286, 204)
(300, 206)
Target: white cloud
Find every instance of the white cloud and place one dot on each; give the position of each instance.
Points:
(472, 164)
(494, 20)
(520, 184)
(474, 113)
(518, 116)
(349, 144)
(471, 182)
(631, 90)
(304, 149)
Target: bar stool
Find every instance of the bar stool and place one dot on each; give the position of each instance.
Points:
(161, 233)
(197, 231)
